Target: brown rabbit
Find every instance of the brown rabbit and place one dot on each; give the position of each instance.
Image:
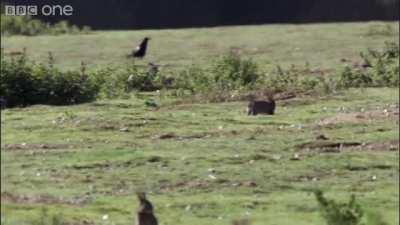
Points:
(145, 214)
(261, 107)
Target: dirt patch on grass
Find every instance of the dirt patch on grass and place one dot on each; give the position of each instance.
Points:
(365, 168)
(120, 164)
(361, 117)
(327, 144)
(183, 137)
(336, 147)
(92, 166)
(124, 124)
(117, 126)
(26, 146)
(392, 145)
(205, 184)
(83, 222)
(197, 184)
(42, 199)
(210, 134)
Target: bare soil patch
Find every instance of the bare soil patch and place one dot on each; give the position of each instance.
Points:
(336, 147)
(178, 137)
(26, 146)
(42, 199)
(362, 117)
(200, 184)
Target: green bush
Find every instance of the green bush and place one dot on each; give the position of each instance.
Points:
(110, 83)
(25, 83)
(117, 81)
(354, 78)
(232, 72)
(283, 80)
(335, 213)
(140, 80)
(25, 25)
(298, 80)
(194, 79)
(381, 69)
(234, 78)
(349, 213)
(226, 76)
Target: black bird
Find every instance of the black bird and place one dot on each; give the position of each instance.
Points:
(140, 50)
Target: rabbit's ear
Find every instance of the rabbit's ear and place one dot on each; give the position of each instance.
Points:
(269, 94)
(251, 97)
(141, 195)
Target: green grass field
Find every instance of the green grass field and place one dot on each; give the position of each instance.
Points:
(203, 163)
(322, 46)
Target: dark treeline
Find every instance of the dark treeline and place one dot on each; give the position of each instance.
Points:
(137, 14)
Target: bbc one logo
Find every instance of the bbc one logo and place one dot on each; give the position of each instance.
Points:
(34, 10)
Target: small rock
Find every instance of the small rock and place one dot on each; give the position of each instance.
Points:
(322, 137)
(167, 136)
(154, 159)
(276, 157)
(212, 177)
(249, 184)
(124, 129)
(295, 157)
(360, 116)
(43, 146)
